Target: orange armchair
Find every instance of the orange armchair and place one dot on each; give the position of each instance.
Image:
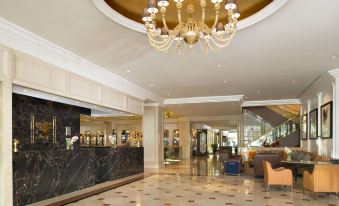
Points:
(279, 176)
(324, 178)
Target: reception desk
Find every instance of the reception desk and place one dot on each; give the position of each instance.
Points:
(39, 175)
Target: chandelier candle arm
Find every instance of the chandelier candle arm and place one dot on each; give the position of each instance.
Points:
(216, 8)
(163, 14)
(179, 6)
(203, 6)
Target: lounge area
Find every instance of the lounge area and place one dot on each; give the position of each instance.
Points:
(169, 102)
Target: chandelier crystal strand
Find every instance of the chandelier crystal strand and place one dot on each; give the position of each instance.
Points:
(190, 31)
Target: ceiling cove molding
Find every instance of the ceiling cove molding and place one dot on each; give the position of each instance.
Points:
(270, 102)
(27, 42)
(208, 99)
(334, 73)
(212, 118)
(103, 7)
(152, 105)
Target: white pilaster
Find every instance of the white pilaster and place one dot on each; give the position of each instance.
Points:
(301, 126)
(308, 125)
(320, 102)
(185, 138)
(335, 120)
(152, 128)
(6, 171)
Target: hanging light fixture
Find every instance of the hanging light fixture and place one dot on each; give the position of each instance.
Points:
(190, 31)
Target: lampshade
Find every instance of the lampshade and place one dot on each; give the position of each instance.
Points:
(236, 13)
(220, 28)
(146, 17)
(230, 5)
(163, 3)
(152, 7)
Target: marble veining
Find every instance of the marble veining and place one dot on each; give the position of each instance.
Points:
(40, 175)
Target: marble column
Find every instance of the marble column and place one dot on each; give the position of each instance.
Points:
(119, 141)
(185, 138)
(6, 180)
(108, 132)
(153, 136)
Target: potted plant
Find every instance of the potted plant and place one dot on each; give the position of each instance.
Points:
(214, 148)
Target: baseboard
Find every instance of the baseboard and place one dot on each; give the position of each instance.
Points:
(82, 194)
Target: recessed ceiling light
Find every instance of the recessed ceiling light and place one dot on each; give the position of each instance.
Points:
(151, 85)
(95, 106)
(293, 81)
(225, 82)
(191, 111)
(128, 71)
(55, 97)
(169, 94)
(25, 90)
(334, 56)
(77, 102)
(258, 92)
(218, 65)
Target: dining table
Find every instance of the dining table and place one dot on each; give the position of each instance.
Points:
(296, 165)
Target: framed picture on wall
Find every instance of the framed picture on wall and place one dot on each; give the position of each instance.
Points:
(304, 126)
(314, 124)
(326, 120)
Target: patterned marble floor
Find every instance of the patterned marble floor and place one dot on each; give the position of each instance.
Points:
(201, 182)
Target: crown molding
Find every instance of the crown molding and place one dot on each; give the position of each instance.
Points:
(103, 7)
(152, 105)
(27, 42)
(211, 118)
(334, 72)
(270, 102)
(208, 99)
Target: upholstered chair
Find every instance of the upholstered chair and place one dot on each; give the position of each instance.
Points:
(279, 176)
(324, 178)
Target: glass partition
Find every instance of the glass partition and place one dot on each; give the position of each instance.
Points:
(280, 131)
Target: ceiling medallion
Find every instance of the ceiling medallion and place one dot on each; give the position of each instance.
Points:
(190, 31)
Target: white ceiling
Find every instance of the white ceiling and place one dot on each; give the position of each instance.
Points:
(295, 43)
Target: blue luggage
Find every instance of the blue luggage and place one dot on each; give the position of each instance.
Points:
(232, 167)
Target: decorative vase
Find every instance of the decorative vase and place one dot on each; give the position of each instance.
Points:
(288, 157)
(69, 145)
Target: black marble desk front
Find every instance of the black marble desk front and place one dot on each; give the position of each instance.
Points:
(39, 175)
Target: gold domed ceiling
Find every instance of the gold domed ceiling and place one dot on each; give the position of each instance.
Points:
(133, 9)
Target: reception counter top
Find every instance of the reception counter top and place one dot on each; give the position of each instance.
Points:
(40, 175)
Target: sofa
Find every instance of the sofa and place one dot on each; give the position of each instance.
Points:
(274, 159)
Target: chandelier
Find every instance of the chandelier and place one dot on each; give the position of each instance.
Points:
(190, 31)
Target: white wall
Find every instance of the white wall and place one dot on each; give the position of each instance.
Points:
(323, 88)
